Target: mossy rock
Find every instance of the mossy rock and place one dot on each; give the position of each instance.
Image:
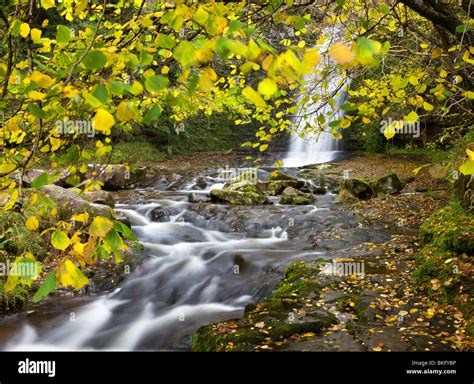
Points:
(386, 185)
(359, 188)
(294, 196)
(237, 197)
(273, 320)
(276, 188)
(280, 176)
(243, 186)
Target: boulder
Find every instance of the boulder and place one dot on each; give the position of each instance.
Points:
(237, 197)
(201, 182)
(194, 197)
(243, 186)
(119, 176)
(163, 214)
(387, 185)
(276, 188)
(69, 203)
(294, 196)
(279, 176)
(359, 188)
(100, 197)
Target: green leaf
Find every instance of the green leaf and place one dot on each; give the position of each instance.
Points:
(165, 41)
(349, 107)
(124, 230)
(95, 60)
(46, 288)
(367, 50)
(41, 180)
(60, 240)
(63, 35)
(152, 115)
(37, 111)
(101, 93)
(156, 84)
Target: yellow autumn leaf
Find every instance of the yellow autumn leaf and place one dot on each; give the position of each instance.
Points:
(100, 226)
(44, 81)
(341, 53)
(103, 121)
(124, 113)
(24, 30)
(35, 34)
(35, 95)
(46, 4)
(390, 131)
(32, 223)
(253, 96)
(267, 87)
(412, 116)
(69, 275)
(427, 106)
(310, 60)
(81, 217)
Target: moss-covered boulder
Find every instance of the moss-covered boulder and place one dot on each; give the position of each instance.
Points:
(275, 319)
(280, 176)
(237, 197)
(386, 185)
(294, 196)
(243, 186)
(276, 188)
(358, 188)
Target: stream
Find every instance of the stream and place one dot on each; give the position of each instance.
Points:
(205, 263)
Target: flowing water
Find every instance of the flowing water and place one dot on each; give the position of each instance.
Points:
(205, 263)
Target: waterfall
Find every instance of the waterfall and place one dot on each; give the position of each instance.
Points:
(317, 147)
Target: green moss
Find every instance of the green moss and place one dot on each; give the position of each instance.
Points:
(443, 268)
(277, 314)
(132, 152)
(449, 229)
(13, 300)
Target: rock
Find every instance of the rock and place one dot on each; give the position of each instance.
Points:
(358, 188)
(243, 186)
(194, 197)
(237, 197)
(279, 176)
(387, 185)
(120, 216)
(295, 197)
(162, 214)
(276, 188)
(319, 190)
(118, 176)
(201, 182)
(100, 197)
(69, 202)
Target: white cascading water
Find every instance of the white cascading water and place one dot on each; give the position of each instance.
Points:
(317, 147)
